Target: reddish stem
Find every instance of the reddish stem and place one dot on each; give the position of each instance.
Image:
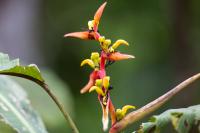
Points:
(112, 112)
(102, 71)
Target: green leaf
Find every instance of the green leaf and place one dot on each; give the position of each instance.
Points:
(181, 119)
(53, 122)
(31, 72)
(13, 67)
(15, 108)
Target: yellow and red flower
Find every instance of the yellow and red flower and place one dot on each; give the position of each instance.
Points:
(98, 80)
(92, 32)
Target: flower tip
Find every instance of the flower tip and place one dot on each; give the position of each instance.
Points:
(131, 57)
(82, 91)
(87, 86)
(105, 124)
(105, 3)
(68, 35)
(99, 12)
(81, 35)
(117, 56)
(105, 118)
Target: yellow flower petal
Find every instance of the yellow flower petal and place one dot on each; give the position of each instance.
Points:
(98, 82)
(118, 43)
(104, 43)
(107, 42)
(91, 24)
(89, 62)
(101, 39)
(126, 108)
(95, 56)
(111, 50)
(106, 82)
(120, 113)
(97, 89)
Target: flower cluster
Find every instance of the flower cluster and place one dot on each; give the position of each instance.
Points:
(98, 80)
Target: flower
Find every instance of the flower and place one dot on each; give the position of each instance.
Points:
(117, 44)
(104, 43)
(99, 82)
(101, 87)
(109, 50)
(120, 113)
(92, 33)
(93, 62)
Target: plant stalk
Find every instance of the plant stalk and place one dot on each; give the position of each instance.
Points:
(152, 106)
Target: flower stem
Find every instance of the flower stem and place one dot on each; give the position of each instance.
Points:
(102, 65)
(152, 106)
(61, 108)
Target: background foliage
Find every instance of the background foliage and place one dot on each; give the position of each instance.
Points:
(163, 35)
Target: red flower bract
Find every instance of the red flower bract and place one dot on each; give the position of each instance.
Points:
(93, 76)
(90, 34)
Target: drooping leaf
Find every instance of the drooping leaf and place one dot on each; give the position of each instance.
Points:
(31, 72)
(13, 67)
(15, 108)
(181, 119)
(55, 121)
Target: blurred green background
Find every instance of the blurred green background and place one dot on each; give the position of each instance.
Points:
(164, 35)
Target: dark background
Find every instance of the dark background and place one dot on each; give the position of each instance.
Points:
(164, 35)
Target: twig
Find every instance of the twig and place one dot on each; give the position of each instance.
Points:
(152, 106)
(60, 106)
(53, 97)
